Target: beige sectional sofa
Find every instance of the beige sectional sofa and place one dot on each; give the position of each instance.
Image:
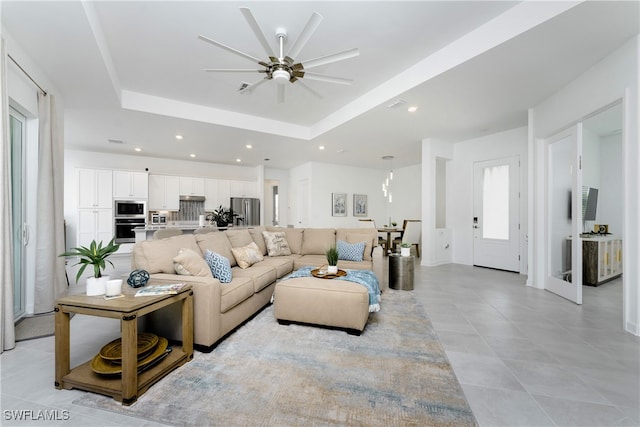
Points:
(220, 307)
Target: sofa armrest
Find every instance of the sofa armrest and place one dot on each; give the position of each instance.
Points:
(377, 260)
(206, 306)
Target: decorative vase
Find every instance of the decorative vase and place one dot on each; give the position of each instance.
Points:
(97, 285)
(405, 251)
(332, 269)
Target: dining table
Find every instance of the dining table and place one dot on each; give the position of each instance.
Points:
(389, 231)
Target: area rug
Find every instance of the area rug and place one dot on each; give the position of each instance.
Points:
(265, 374)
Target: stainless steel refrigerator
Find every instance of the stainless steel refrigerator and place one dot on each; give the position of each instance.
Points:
(246, 211)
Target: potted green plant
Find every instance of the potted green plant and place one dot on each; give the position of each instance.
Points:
(332, 260)
(221, 216)
(405, 249)
(96, 256)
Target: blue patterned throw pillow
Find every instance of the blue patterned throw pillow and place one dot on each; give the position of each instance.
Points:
(219, 265)
(350, 251)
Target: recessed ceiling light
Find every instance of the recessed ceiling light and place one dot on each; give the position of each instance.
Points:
(249, 146)
(138, 149)
(412, 109)
(238, 160)
(321, 147)
(178, 136)
(192, 155)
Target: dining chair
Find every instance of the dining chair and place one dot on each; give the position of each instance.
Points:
(412, 232)
(168, 232)
(369, 223)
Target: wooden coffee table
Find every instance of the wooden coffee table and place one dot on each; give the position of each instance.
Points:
(127, 387)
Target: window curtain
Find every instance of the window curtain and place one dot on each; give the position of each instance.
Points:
(7, 329)
(50, 281)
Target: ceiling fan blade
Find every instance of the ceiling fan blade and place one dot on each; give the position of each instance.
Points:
(328, 79)
(313, 92)
(230, 49)
(250, 87)
(305, 35)
(251, 20)
(280, 94)
(328, 59)
(233, 70)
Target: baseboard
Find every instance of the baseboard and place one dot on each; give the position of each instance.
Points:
(633, 328)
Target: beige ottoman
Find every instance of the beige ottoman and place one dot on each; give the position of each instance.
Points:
(335, 303)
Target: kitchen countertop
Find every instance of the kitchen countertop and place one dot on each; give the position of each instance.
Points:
(182, 227)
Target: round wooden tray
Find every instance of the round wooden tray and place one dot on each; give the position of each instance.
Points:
(113, 350)
(316, 273)
(107, 367)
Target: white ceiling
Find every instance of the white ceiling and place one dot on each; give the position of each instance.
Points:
(132, 71)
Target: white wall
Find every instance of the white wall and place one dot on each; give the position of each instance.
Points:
(460, 188)
(407, 195)
(610, 197)
(280, 176)
(613, 78)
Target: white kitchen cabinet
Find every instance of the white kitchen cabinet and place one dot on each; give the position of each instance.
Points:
(95, 224)
(190, 186)
(164, 193)
(210, 194)
(95, 189)
(224, 193)
(243, 189)
(130, 185)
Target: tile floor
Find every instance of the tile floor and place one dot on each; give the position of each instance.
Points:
(523, 356)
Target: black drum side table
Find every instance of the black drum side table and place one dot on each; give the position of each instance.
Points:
(401, 272)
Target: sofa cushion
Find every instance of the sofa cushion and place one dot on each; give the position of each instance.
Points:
(156, 256)
(218, 243)
(261, 275)
(219, 265)
(294, 237)
(309, 260)
(258, 238)
(247, 255)
(350, 251)
(190, 263)
(316, 241)
(239, 238)
(233, 293)
(277, 243)
(362, 265)
(357, 235)
(283, 264)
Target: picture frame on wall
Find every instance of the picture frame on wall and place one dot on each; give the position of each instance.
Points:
(360, 207)
(338, 204)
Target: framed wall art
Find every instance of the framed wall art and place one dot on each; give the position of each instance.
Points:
(360, 205)
(338, 204)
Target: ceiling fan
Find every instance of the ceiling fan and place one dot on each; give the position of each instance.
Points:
(284, 68)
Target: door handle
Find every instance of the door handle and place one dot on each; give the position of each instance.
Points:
(25, 234)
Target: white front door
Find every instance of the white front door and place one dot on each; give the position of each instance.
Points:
(496, 225)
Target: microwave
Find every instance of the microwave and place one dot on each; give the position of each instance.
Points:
(130, 209)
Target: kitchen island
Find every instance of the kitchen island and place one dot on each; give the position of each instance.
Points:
(146, 233)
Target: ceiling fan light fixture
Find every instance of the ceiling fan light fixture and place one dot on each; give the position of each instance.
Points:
(280, 76)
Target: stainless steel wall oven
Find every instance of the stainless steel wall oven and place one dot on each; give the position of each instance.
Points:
(128, 214)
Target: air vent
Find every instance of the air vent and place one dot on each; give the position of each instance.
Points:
(115, 141)
(396, 103)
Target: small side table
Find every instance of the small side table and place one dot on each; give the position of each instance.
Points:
(401, 272)
(130, 385)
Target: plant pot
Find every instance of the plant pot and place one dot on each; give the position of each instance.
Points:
(332, 269)
(405, 251)
(97, 285)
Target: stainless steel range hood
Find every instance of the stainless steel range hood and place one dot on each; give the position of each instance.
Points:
(192, 198)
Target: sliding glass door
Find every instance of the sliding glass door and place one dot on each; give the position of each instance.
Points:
(17, 138)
